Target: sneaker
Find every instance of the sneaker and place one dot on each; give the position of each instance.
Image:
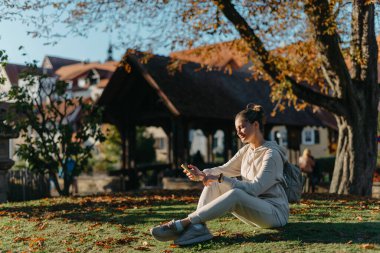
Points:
(165, 232)
(195, 233)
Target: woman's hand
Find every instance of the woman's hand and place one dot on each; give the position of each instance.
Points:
(209, 179)
(198, 175)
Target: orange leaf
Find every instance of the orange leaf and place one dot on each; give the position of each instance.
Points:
(367, 246)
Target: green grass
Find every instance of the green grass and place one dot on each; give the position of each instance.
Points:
(120, 223)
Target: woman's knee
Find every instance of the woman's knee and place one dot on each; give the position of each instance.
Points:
(234, 194)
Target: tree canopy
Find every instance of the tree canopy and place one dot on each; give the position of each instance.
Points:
(321, 52)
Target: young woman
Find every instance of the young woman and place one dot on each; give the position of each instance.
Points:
(258, 199)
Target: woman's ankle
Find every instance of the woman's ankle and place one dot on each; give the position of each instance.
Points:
(185, 222)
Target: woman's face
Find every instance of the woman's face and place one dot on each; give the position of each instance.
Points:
(246, 131)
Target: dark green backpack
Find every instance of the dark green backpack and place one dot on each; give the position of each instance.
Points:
(293, 182)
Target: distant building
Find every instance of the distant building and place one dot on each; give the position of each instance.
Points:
(51, 64)
(87, 79)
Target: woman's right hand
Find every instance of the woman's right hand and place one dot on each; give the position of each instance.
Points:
(198, 175)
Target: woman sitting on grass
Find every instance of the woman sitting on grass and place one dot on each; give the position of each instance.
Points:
(258, 199)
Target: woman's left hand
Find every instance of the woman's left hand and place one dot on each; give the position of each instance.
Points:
(209, 179)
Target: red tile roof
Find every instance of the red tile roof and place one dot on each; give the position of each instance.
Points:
(72, 71)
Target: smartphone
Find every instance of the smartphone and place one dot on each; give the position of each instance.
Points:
(183, 166)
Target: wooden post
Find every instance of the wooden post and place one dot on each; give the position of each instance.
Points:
(178, 140)
(227, 152)
(209, 137)
(123, 160)
(131, 146)
(294, 142)
(186, 144)
(210, 141)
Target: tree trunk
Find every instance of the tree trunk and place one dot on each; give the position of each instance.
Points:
(53, 176)
(356, 153)
(67, 181)
(357, 146)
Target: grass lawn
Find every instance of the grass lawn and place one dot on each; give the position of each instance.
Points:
(120, 223)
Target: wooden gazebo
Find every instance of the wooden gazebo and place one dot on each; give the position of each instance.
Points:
(148, 94)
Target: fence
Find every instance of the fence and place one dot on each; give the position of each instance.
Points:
(26, 185)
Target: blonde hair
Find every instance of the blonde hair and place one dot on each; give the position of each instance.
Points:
(306, 152)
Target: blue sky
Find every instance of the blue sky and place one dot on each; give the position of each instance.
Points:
(94, 47)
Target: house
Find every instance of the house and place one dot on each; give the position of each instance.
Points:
(87, 79)
(11, 74)
(50, 64)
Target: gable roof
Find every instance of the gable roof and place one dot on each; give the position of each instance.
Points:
(13, 71)
(195, 92)
(57, 62)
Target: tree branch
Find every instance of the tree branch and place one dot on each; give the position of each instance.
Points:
(335, 105)
(327, 39)
(303, 92)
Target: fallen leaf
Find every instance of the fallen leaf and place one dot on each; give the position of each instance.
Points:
(37, 242)
(126, 240)
(142, 248)
(359, 218)
(42, 226)
(220, 233)
(94, 225)
(174, 245)
(367, 246)
(21, 239)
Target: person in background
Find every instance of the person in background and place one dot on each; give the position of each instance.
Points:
(307, 165)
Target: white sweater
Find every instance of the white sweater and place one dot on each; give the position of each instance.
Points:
(262, 172)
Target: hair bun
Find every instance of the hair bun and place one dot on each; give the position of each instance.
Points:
(255, 107)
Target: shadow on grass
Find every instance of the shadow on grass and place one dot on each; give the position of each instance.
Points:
(124, 213)
(305, 232)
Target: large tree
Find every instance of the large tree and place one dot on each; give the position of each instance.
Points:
(322, 53)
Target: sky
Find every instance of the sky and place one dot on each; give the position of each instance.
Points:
(93, 48)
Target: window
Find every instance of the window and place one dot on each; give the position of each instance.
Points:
(279, 135)
(82, 83)
(69, 85)
(93, 77)
(308, 136)
(159, 143)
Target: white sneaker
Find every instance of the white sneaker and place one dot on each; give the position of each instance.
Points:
(165, 232)
(195, 233)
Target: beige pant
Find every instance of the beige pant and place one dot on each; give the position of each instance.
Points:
(219, 199)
